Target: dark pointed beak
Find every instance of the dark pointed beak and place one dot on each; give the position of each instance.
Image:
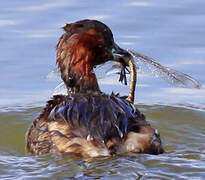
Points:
(121, 55)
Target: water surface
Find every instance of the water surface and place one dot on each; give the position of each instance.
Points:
(170, 31)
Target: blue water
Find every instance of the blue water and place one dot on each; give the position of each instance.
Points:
(172, 32)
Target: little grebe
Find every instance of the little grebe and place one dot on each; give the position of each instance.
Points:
(87, 122)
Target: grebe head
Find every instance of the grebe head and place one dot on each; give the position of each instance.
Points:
(84, 45)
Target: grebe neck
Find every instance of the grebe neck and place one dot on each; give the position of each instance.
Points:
(79, 81)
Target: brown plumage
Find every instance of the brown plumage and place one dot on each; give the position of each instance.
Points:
(88, 122)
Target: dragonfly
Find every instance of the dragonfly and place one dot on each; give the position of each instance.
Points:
(144, 64)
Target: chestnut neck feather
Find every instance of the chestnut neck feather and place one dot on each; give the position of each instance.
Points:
(76, 57)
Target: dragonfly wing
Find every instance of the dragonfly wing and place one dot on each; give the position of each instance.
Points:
(176, 78)
(60, 89)
(111, 68)
(54, 75)
(181, 80)
(107, 69)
